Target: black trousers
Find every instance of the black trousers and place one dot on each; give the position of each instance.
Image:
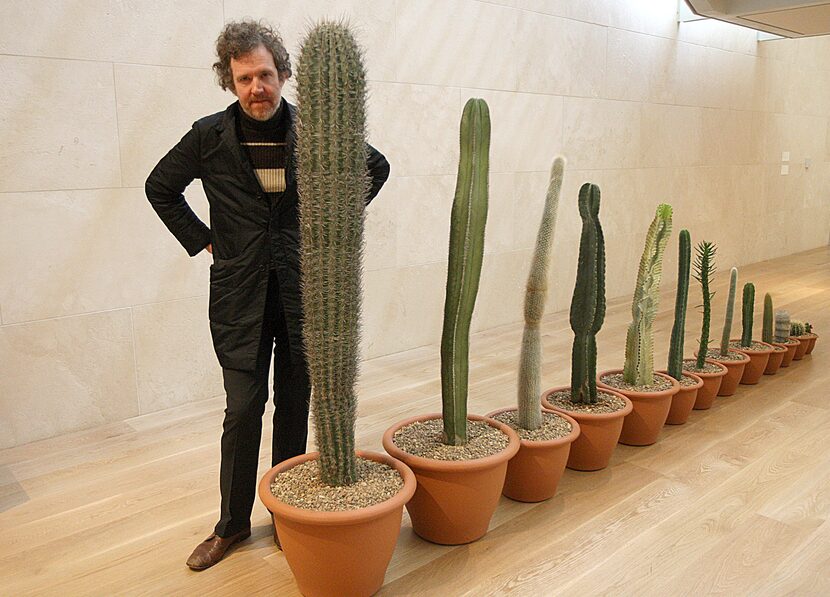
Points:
(247, 394)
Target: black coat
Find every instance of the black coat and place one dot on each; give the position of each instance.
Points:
(240, 218)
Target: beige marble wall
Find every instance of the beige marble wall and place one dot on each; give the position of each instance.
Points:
(103, 315)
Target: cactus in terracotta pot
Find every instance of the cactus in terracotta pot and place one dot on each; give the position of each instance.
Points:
(684, 258)
(797, 328)
(588, 305)
(639, 343)
(808, 328)
(529, 388)
(704, 270)
(767, 332)
(747, 314)
(469, 216)
(730, 310)
(782, 326)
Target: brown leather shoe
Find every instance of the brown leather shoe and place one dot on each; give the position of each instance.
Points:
(276, 537)
(213, 549)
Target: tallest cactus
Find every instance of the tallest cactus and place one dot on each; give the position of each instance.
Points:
(332, 179)
(469, 215)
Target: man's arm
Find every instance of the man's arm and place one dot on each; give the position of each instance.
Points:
(165, 190)
(378, 171)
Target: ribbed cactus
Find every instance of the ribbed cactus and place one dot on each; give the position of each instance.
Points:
(730, 310)
(639, 342)
(588, 303)
(797, 328)
(808, 328)
(704, 270)
(332, 181)
(767, 333)
(782, 326)
(678, 331)
(530, 360)
(469, 215)
(748, 314)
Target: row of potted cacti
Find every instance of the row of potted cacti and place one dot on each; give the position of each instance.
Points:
(449, 469)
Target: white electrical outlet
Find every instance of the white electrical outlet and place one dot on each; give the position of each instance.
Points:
(785, 169)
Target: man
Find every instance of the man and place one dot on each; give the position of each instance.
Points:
(245, 159)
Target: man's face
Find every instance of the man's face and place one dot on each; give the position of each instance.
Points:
(257, 83)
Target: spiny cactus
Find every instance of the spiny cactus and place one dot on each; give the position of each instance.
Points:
(767, 331)
(639, 343)
(588, 303)
(332, 179)
(782, 326)
(748, 314)
(684, 257)
(808, 328)
(704, 270)
(730, 310)
(797, 328)
(529, 403)
(469, 216)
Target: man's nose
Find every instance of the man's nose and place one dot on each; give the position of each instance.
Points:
(257, 86)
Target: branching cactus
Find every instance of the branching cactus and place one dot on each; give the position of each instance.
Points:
(332, 178)
(530, 360)
(588, 304)
(704, 270)
(748, 314)
(782, 326)
(767, 334)
(730, 311)
(797, 328)
(469, 216)
(639, 343)
(684, 258)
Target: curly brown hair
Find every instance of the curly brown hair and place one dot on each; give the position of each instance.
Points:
(241, 37)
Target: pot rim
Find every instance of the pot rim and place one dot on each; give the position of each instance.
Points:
(703, 374)
(730, 363)
(674, 389)
(340, 517)
(780, 345)
(629, 406)
(683, 388)
(434, 464)
(546, 443)
(749, 352)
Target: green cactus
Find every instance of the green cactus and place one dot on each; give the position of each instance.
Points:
(469, 216)
(808, 328)
(730, 309)
(529, 390)
(684, 257)
(748, 314)
(588, 305)
(704, 270)
(767, 331)
(782, 326)
(332, 179)
(797, 328)
(639, 343)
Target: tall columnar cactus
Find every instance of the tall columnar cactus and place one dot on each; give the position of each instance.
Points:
(588, 304)
(332, 179)
(639, 343)
(684, 258)
(529, 403)
(767, 331)
(797, 328)
(782, 326)
(704, 270)
(730, 310)
(469, 215)
(748, 314)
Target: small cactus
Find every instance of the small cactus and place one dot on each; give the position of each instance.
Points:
(796, 328)
(808, 328)
(782, 326)
(684, 257)
(767, 334)
(730, 310)
(748, 314)
(704, 270)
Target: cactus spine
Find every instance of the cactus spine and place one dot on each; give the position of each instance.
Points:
(766, 332)
(639, 343)
(730, 309)
(782, 326)
(748, 314)
(530, 386)
(588, 304)
(797, 328)
(332, 179)
(469, 216)
(684, 258)
(704, 270)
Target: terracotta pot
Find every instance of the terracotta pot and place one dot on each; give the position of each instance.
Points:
(801, 349)
(812, 338)
(758, 360)
(338, 553)
(684, 400)
(642, 426)
(711, 385)
(599, 433)
(455, 500)
(791, 348)
(775, 359)
(533, 474)
(734, 372)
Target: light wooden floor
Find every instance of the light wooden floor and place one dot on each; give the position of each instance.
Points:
(735, 502)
